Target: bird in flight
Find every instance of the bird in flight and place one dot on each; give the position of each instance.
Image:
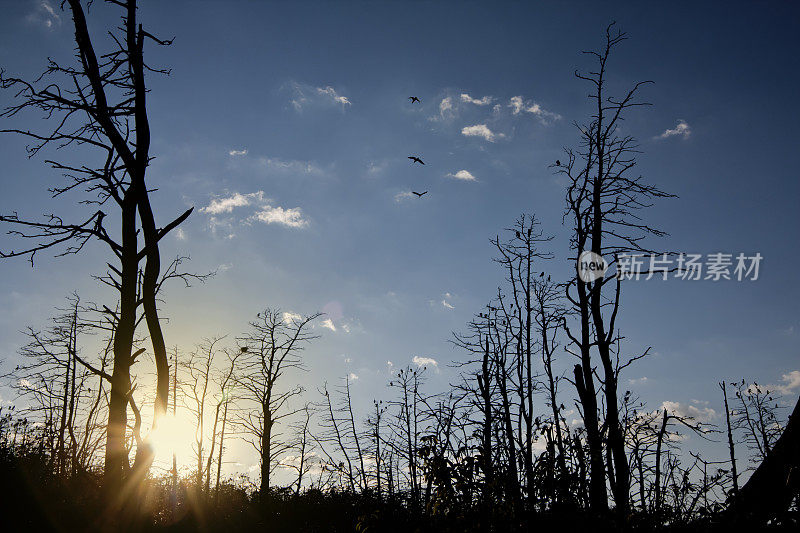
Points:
(419, 194)
(413, 99)
(415, 159)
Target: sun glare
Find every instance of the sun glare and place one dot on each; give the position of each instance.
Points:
(174, 435)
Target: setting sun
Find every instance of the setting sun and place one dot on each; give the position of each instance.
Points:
(399, 266)
(174, 435)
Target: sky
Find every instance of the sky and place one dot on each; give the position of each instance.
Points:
(287, 126)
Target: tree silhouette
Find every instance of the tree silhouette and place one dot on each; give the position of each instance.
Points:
(604, 197)
(99, 104)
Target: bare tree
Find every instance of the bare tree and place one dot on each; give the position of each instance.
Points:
(198, 367)
(100, 103)
(603, 199)
(56, 389)
(272, 347)
(225, 381)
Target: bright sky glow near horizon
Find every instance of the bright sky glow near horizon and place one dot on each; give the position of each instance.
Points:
(287, 126)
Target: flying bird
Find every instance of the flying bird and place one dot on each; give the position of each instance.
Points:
(419, 194)
(413, 99)
(415, 159)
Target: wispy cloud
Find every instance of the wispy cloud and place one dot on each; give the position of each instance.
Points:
(266, 211)
(486, 100)
(45, 14)
(695, 410)
(227, 204)
(445, 106)
(445, 303)
(330, 92)
(681, 129)
(328, 323)
(237, 153)
(292, 218)
(519, 105)
(638, 381)
(289, 317)
(463, 175)
(403, 196)
(789, 382)
(291, 166)
(425, 361)
(481, 130)
(180, 234)
(304, 95)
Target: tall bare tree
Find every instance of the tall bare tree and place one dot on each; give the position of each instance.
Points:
(272, 347)
(99, 104)
(604, 197)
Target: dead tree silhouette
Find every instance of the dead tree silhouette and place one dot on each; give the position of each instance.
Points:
(101, 104)
(602, 201)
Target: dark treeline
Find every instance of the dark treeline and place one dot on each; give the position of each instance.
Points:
(536, 432)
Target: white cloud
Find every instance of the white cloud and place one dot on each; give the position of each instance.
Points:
(328, 323)
(789, 382)
(638, 381)
(330, 92)
(695, 410)
(267, 213)
(45, 14)
(544, 116)
(304, 95)
(463, 175)
(486, 100)
(445, 303)
(289, 317)
(518, 105)
(424, 361)
(353, 377)
(227, 204)
(681, 129)
(402, 196)
(224, 266)
(235, 153)
(180, 234)
(292, 217)
(481, 130)
(445, 106)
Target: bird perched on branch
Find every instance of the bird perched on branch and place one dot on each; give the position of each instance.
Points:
(415, 159)
(413, 99)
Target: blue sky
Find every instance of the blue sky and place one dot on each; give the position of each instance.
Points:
(287, 126)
